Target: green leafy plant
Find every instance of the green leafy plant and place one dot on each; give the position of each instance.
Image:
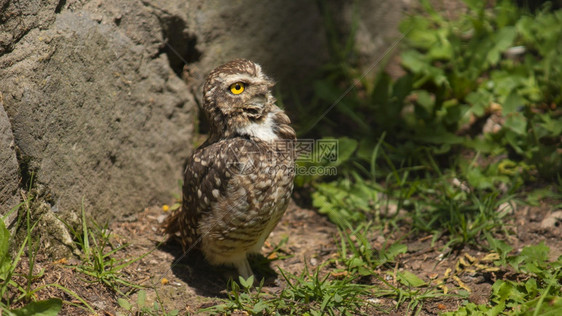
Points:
(487, 66)
(346, 202)
(8, 263)
(498, 62)
(50, 307)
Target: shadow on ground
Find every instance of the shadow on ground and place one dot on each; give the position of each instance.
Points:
(208, 280)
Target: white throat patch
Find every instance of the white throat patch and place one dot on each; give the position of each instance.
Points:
(262, 130)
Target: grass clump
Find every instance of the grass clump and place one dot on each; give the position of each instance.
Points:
(19, 288)
(99, 260)
(358, 256)
(305, 293)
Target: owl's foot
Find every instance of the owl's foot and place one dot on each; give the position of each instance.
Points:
(243, 267)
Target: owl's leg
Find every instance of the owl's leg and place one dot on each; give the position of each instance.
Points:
(243, 267)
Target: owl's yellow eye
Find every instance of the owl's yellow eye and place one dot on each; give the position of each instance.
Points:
(237, 88)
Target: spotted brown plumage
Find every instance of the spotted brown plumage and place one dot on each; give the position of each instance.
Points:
(238, 183)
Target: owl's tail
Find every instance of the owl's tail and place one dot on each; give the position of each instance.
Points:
(171, 225)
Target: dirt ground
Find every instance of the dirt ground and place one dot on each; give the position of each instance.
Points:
(189, 284)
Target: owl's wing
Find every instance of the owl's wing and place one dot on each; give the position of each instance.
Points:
(207, 176)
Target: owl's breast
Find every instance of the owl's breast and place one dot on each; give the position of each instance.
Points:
(269, 177)
(256, 197)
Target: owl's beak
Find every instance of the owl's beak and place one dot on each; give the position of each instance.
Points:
(254, 106)
(257, 101)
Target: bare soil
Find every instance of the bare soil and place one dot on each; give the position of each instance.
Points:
(187, 283)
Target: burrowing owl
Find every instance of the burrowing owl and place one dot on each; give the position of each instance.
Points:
(238, 183)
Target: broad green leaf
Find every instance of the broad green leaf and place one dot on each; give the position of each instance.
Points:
(259, 307)
(443, 49)
(535, 257)
(246, 283)
(503, 291)
(505, 82)
(499, 246)
(141, 298)
(484, 145)
(419, 30)
(554, 126)
(50, 307)
(364, 271)
(5, 259)
(338, 298)
(365, 148)
(517, 123)
(531, 286)
(425, 99)
(356, 262)
(513, 103)
(124, 304)
(410, 279)
(497, 310)
(394, 250)
(503, 39)
(414, 61)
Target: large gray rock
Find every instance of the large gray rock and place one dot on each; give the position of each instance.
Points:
(9, 171)
(97, 113)
(93, 92)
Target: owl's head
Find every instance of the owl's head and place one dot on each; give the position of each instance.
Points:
(238, 99)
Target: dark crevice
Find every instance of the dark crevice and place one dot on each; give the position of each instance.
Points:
(179, 44)
(16, 38)
(26, 171)
(60, 5)
(3, 9)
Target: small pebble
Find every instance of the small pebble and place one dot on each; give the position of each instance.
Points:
(160, 219)
(552, 220)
